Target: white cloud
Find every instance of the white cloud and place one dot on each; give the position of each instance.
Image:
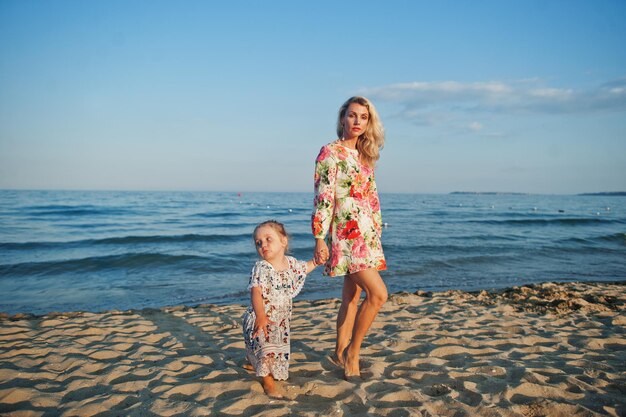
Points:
(475, 126)
(422, 100)
(551, 93)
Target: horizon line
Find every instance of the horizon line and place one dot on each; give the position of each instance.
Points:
(588, 193)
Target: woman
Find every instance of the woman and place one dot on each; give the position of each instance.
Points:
(347, 214)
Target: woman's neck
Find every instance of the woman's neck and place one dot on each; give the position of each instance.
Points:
(349, 142)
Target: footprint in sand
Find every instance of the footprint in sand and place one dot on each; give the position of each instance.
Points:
(436, 390)
(496, 371)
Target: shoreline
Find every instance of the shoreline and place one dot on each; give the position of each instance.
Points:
(492, 293)
(539, 349)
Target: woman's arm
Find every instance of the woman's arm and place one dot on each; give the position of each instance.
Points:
(320, 253)
(324, 201)
(374, 201)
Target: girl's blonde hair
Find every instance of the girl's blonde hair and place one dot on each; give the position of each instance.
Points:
(373, 139)
(277, 226)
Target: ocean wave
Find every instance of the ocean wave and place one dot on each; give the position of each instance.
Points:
(170, 239)
(569, 221)
(615, 237)
(220, 215)
(26, 246)
(610, 238)
(239, 296)
(444, 247)
(99, 264)
(125, 240)
(60, 210)
(478, 259)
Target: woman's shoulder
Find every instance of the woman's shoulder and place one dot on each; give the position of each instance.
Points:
(329, 150)
(332, 146)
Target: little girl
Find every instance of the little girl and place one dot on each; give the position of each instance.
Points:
(274, 281)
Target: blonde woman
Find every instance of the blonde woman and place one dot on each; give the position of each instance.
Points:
(347, 216)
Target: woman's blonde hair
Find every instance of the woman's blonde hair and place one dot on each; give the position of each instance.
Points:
(373, 139)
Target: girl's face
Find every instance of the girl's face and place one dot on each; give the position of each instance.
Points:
(355, 120)
(270, 244)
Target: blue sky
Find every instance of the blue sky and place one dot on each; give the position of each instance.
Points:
(524, 96)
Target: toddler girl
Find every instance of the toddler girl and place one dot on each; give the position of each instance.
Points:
(274, 281)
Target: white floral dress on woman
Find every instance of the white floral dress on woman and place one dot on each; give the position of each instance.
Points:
(269, 353)
(347, 209)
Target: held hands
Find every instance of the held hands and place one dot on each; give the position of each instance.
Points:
(321, 254)
(262, 324)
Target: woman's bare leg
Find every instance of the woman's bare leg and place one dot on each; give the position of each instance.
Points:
(345, 317)
(375, 297)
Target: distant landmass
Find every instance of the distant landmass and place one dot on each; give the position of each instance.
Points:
(601, 194)
(611, 193)
(488, 193)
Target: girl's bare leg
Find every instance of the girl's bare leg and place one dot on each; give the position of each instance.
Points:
(269, 386)
(375, 297)
(345, 317)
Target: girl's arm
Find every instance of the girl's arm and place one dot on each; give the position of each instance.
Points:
(301, 270)
(262, 322)
(310, 266)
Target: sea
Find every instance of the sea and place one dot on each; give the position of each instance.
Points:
(95, 251)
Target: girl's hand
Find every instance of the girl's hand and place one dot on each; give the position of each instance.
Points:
(321, 254)
(262, 323)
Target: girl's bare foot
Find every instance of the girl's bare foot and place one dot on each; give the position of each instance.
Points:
(270, 388)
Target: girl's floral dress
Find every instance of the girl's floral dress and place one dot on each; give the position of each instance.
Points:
(347, 211)
(269, 353)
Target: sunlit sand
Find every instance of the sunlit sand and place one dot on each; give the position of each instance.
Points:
(544, 350)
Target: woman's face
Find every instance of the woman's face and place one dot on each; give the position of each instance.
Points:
(355, 120)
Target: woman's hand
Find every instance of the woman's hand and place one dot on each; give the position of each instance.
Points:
(262, 323)
(321, 253)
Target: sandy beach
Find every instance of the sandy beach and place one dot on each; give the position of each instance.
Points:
(542, 350)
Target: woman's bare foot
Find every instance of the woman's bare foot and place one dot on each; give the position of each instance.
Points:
(350, 365)
(270, 388)
(337, 358)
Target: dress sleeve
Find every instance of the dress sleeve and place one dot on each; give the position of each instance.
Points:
(258, 276)
(299, 270)
(324, 201)
(375, 206)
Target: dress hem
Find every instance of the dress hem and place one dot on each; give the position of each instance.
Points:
(348, 273)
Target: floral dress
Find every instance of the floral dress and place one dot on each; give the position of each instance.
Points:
(347, 211)
(269, 353)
